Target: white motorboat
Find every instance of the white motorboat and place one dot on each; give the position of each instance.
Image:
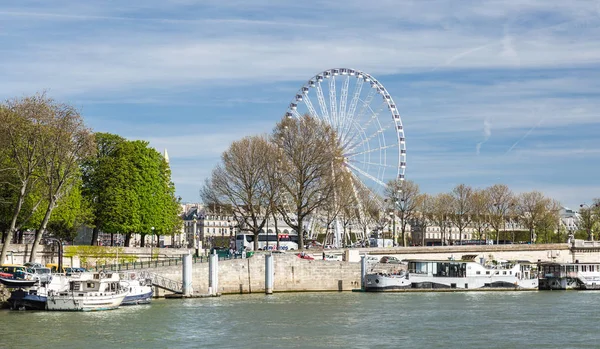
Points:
(139, 290)
(457, 274)
(88, 292)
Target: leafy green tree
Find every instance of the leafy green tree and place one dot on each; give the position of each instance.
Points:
(100, 176)
(24, 129)
(130, 188)
(67, 143)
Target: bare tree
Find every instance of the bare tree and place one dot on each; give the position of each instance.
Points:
(531, 207)
(402, 197)
(367, 208)
(480, 212)
(500, 204)
(462, 208)
(310, 163)
(441, 211)
(243, 182)
(423, 215)
(338, 204)
(69, 142)
(23, 129)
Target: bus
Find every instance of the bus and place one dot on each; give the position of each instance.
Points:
(266, 241)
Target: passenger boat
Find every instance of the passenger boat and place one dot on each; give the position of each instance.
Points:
(88, 292)
(458, 274)
(569, 276)
(139, 291)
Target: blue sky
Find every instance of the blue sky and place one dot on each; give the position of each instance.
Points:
(489, 92)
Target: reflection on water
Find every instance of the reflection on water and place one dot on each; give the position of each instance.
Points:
(322, 320)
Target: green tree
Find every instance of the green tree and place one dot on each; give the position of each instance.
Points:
(24, 127)
(67, 144)
(100, 176)
(129, 186)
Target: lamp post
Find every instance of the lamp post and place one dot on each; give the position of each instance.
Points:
(152, 244)
(393, 218)
(195, 234)
(587, 217)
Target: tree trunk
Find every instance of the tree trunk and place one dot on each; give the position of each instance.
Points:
(127, 239)
(143, 240)
(255, 233)
(276, 230)
(40, 232)
(13, 222)
(112, 239)
(300, 234)
(95, 232)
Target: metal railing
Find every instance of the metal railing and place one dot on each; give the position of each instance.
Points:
(166, 262)
(161, 281)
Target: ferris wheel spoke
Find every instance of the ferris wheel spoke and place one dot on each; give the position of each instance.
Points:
(343, 102)
(355, 99)
(296, 114)
(375, 115)
(311, 108)
(392, 145)
(372, 163)
(369, 138)
(366, 104)
(322, 104)
(333, 103)
(366, 174)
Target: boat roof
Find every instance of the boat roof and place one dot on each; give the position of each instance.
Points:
(560, 263)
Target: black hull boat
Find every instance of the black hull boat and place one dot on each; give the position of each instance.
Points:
(24, 300)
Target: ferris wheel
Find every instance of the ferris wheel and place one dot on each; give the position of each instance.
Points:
(366, 121)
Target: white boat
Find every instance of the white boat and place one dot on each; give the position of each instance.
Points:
(569, 276)
(88, 292)
(139, 290)
(457, 274)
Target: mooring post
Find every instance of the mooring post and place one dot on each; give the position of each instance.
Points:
(187, 276)
(363, 271)
(213, 274)
(269, 273)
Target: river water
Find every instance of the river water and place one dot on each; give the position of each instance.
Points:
(323, 320)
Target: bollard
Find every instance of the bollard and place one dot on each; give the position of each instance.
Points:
(187, 276)
(363, 271)
(269, 273)
(213, 274)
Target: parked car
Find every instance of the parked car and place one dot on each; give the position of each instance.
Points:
(390, 260)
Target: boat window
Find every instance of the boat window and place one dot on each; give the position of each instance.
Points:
(504, 272)
(487, 272)
(90, 285)
(477, 272)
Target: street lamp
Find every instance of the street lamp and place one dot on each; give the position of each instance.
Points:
(152, 244)
(195, 234)
(588, 219)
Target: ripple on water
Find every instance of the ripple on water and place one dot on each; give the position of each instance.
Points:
(322, 320)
